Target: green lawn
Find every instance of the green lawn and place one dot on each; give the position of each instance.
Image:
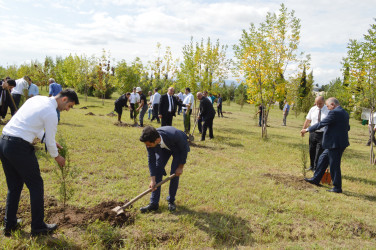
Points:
(237, 191)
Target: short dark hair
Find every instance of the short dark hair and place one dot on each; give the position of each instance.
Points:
(188, 89)
(156, 89)
(71, 94)
(11, 82)
(128, 93)
(149, 134)
(27, 78)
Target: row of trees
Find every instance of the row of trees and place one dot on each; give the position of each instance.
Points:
(267, 63)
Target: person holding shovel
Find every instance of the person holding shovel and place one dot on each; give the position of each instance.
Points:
(161, 144)
(36, 118)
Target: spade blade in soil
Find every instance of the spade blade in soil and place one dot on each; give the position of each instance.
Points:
(119, 210)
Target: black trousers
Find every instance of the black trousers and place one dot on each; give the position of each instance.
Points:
(17, 99)
(219, 110)
(208, 124)
(21, 166)
(133, 111)
(315, 148)
(199, 125)
(155, 112)
(167, 120)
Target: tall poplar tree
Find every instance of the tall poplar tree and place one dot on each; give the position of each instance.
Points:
(263, 54)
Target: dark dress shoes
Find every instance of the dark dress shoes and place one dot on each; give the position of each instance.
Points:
(171, 206)
(312, 181)
(47, 229)
(335, 190)
(149, 208)
(8, 230)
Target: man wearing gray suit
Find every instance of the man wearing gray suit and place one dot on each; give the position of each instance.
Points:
(161, 144)
(335, 140)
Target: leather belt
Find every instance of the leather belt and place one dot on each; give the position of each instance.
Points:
(13, 138)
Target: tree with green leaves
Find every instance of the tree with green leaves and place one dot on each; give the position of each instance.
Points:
(360, 62)
(104, 78)
(263, 54)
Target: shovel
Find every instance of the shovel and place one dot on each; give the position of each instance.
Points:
(120, 209)
(191, 137)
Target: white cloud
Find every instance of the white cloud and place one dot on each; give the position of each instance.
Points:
(132, 28)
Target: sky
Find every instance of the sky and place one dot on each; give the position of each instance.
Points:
(32, 29)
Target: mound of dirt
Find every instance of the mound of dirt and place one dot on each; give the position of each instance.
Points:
(112, 114)
(77, 217)
(122, 124)
(290, 181)
(83, 108)
(90, 113)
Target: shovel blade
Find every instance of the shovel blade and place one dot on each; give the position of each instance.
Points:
(118, 210)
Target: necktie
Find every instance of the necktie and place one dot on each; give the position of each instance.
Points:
(319, 115)
(170, 102)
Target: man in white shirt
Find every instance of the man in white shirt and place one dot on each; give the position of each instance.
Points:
(36, 118)
(22, 85)
(187, 110)
(134, 98)
(316, 114)
(155, 103)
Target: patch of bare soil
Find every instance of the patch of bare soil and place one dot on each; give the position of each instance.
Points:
(76, 216)
(90, 113)
(290, 181)
(226, 112)
(83, 108)
(123, 124)
(112, 114)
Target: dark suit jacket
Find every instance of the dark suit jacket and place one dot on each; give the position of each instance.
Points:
(207, 111)
(163, 105)
(176, 140)
(7, 103)
(336, 129)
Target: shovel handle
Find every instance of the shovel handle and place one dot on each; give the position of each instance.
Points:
(147, 191)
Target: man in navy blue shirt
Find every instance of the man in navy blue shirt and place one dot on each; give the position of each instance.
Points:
(161, 144)
(286, 110)
(55, 89)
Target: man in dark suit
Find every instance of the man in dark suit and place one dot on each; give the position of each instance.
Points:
(161, 144)
(207, 114)
(5, 97)
(335, 140)
(167, 107)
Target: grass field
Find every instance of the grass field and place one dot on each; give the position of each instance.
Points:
(237, 191)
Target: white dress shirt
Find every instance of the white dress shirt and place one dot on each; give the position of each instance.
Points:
(189, 99)
(313, 115)
(21, 84)
(170, 103)
(35, 117)
(163, 145)
(134, 98)
(156, 98)
(181, 96)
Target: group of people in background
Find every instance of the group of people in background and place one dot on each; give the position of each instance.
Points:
(163, 108)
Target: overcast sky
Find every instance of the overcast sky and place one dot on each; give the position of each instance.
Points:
(31, 29)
